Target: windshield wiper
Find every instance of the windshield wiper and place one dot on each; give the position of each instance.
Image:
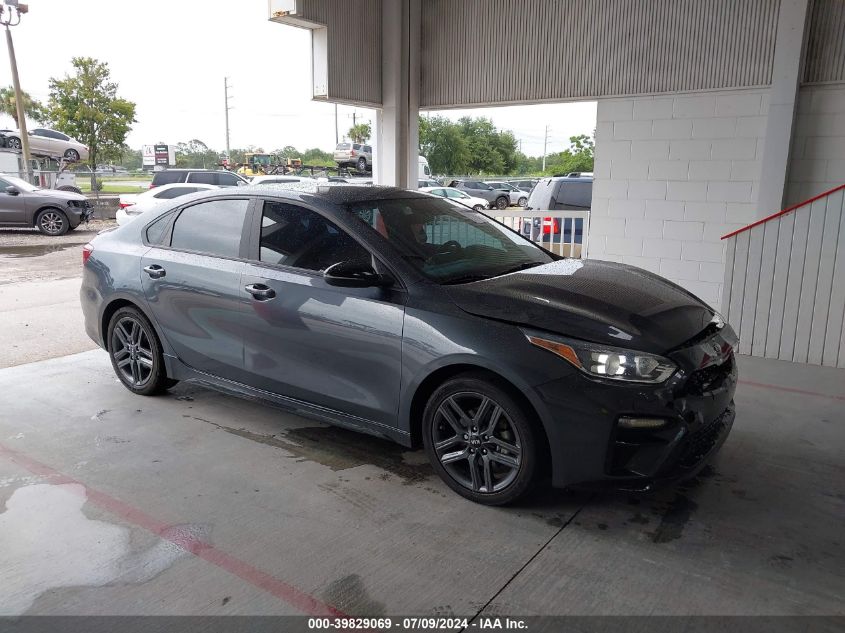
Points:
(522, 266)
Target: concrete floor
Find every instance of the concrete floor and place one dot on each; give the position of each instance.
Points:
(200, 503)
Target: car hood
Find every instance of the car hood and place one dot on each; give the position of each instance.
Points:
(55, 193)
(592, 300)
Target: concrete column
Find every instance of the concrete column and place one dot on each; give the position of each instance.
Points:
(783, 98)
(397, 128)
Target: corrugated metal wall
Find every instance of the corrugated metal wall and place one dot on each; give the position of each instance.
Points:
(825, 56)
(485, 51)
(785, 285)
(354, 46)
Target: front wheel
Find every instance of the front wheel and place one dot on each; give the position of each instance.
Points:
(135, 352)
(13, 142)
(72, 155)
(502, 203)
(480, 440)
(522, 201)
(52, 222)
(479, 208)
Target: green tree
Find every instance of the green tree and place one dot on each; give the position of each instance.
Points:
(579, 156)
(131, 158)
(85, 105)
(196, 154)
(33, 109)
(442, 143)
(360, 132)
(468, 146)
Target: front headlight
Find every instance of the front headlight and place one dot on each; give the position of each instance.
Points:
(603, 361)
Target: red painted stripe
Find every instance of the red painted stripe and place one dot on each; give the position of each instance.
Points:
(816, 394)
(295, 597)
(784, 212)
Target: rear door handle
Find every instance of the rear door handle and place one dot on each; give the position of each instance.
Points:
(155, 271)
(260, 291)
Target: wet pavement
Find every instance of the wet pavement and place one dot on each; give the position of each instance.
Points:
(202, 503)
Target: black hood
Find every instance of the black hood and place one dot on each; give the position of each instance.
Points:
(592, 300)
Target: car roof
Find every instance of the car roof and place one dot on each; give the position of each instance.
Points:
(570, 178)
(332, 193)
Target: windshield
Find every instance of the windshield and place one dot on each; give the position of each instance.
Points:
(447, 242)
(20, 183)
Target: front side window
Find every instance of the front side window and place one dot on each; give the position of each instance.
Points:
(295, 236)
(225, 179)
(448, 242)
(212, 227)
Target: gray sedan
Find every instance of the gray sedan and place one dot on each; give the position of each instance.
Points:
(52, 212)
(419, 320)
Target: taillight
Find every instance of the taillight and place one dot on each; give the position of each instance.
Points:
(123, 205)
(86, 252)
(352, 152)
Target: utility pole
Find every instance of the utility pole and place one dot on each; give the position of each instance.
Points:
(8, 14)
(354, 118)
(228, 107)
(336, 133)
(545, 145)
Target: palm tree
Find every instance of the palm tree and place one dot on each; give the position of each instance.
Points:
(33, 109)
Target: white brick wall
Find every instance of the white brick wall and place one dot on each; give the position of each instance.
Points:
(818, 144)
(674, 174)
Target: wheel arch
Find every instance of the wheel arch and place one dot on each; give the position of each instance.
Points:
(440, 375)
(45, 207)
(113, 306)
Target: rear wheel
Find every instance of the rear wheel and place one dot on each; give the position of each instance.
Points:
(479, 207)
(52, 222)
(362, 164)
(135, 353)
(72, 155)
(13, 142)
(502, 203)
(480, 440)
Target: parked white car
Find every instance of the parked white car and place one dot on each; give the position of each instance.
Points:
(278, 179)
(133, 205)
(46, 142)
(517, 195)
(479, 204)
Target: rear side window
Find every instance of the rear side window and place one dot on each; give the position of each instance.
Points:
(204, 177)
(212, 227)
(167, 177)
(175, 192)
(357, 146)
(225, 179)
(368, 149)
(573, 195)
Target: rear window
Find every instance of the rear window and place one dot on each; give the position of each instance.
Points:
(167, 177)
(561, 194)
(343, 146)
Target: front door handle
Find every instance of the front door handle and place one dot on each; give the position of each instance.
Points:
(260, 291)
(155, 271)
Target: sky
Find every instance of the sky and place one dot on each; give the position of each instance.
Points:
(171, 57)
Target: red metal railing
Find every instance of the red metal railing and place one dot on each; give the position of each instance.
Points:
(784, 212)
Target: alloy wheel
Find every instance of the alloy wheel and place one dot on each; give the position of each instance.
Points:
(132, 351)
(72, 155)
(13, 143)
(51, 222)
(476, 442)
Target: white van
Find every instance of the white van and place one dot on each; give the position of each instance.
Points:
(425, 171)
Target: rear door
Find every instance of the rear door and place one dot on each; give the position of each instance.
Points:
(339, 348)
(192, 281)
(12, 207)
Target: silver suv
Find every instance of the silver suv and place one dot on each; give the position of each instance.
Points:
(355, 155)
(497, 198)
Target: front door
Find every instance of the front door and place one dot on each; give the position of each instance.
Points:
(192, 282)
(12, 206)
(339, 348)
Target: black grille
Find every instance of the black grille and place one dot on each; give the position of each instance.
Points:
(710, 378)
(700, 441)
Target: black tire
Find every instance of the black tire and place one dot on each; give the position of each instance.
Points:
(13, 142)
(479, 208)
(471, 469)
(362, 164)
(522, 201)
(502, 203)
(135, 353)
(72, 155)
(52, 221)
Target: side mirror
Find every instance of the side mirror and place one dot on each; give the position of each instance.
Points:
(355, 274)
(13, 191)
